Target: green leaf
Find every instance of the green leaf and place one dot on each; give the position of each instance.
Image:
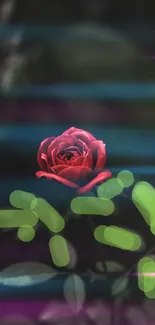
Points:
(111, 266)
(119, 285)
(48, 215)
(110, 188)
(17, 218)
(21, 199)
(143, 196)
(92, 205)
(118, 237)
(26, 274)
(126, 178)
(59, 251)
(74, 292)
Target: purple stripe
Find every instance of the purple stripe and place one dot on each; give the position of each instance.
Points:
(30, 309)
(54, 310)
(83, 112)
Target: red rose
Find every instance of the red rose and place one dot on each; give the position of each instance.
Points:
(73, 157)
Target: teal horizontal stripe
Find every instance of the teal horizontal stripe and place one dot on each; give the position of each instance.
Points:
(55, 31)
(122, 142)
(138, 170)
(54, 288)
(120, 91)
(33, 32)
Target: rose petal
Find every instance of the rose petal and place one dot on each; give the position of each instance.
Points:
(101, 155)
(84, 136)
(44, 157)
(43, 149)
(57, 169)
(97, 180)
(52, 156)
(80, 134)
(75, 173)
(73, 148)
(57, 178)
(81, 144)
(70, 131)
(59, 161)
(77, 161)
(62, 145)
(100, 148)
(62, 142)
(42, 162)
(88, 160)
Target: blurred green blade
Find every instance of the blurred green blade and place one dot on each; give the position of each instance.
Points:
(17, 218)
(92, 205)
(118, 237)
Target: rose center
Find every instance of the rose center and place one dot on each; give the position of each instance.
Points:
(69, 155)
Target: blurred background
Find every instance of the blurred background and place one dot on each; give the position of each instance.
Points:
(89, 64)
